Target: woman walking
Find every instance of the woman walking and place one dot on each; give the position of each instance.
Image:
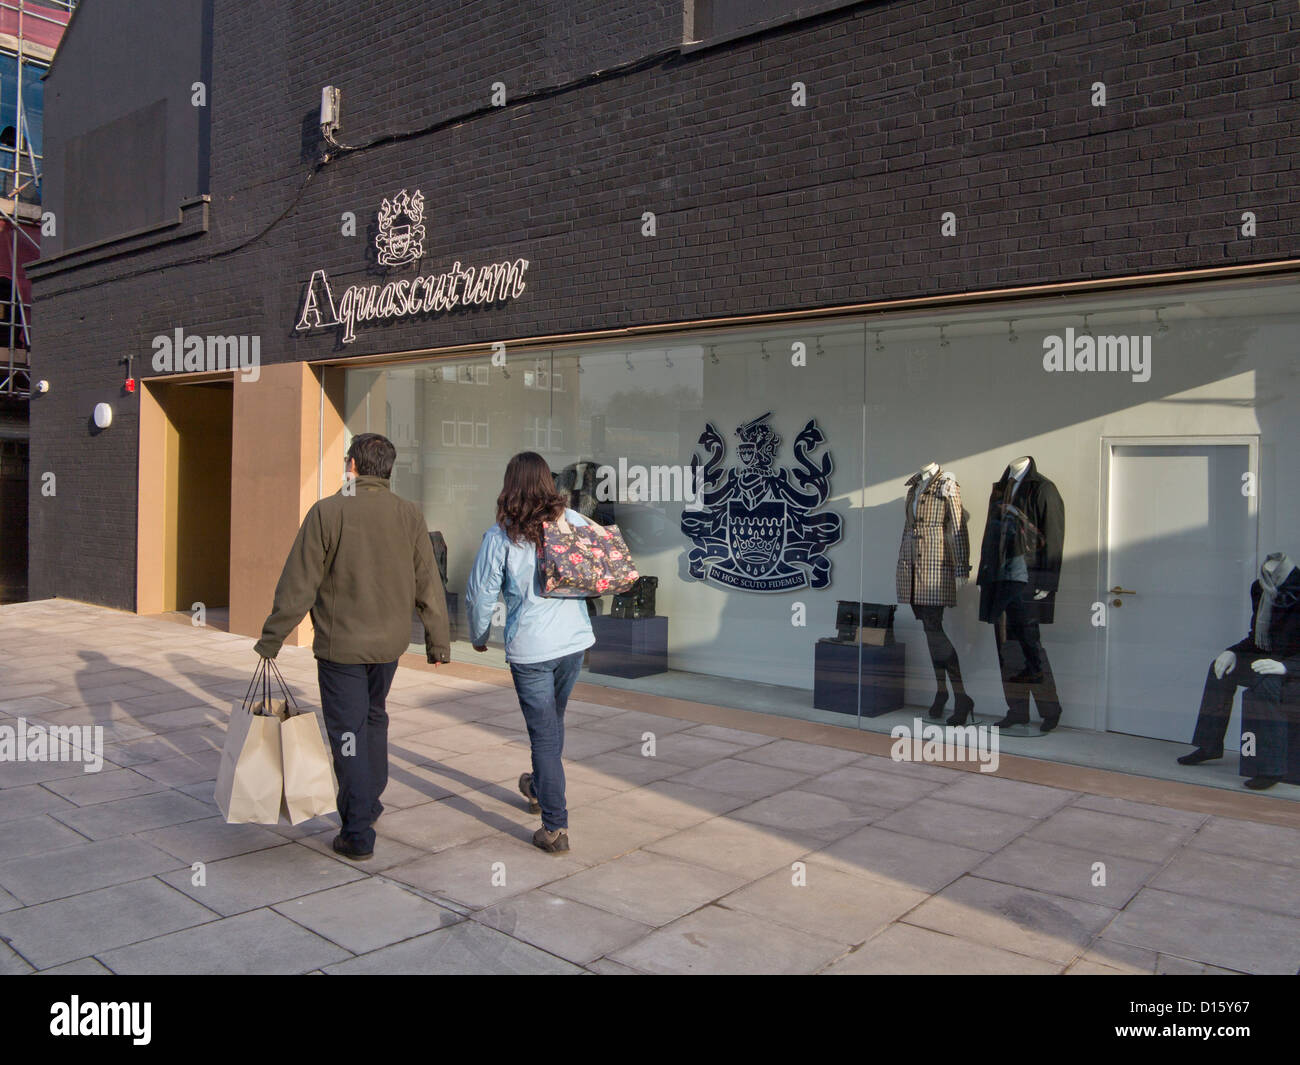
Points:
(545, 638)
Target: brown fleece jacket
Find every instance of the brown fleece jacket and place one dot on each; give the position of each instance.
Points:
(361, 562)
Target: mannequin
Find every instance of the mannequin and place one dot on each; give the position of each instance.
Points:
(1020, 568)
(933, 558)
(1264, 664)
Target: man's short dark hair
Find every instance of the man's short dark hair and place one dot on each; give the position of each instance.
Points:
(373, 454)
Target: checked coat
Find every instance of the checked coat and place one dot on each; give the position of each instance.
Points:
(935, 550)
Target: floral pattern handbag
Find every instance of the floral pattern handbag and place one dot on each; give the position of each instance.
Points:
(578, 562)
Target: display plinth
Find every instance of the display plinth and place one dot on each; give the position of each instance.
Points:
(836, 678)
(629, 647)
(1248, 765)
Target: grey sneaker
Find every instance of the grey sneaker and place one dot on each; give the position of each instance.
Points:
(551, 842)
(526, 790)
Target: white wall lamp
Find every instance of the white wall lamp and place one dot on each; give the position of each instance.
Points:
(103, 415)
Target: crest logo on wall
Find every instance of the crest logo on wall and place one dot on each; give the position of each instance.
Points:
(400, 240)
(757, 527)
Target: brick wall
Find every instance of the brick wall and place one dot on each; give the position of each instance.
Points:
(915, 107)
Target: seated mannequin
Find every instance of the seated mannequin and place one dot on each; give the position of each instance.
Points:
(1262, 663)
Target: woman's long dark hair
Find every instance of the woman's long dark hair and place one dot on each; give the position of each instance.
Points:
(528, 498)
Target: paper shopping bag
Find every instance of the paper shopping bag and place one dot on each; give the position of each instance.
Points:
(250, 780)
(310, 789)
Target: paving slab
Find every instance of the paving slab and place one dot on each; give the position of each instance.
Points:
(651, 888)
(1230, 879)
(666, 802)
(104, 786)
(36, 835)
(809, 758)
(261, 878)
(126, 817)
(80, 967)
(715, 941)
(855, 783)
(1008, 796)
(258, 942)
(210, 840)
(1013, 918)
(1222, 934)
(968, 826)
(684, 750)
(1090, 875)
(486, 871)
(826, 902)
(823, 817)
(563, 927)
(924, 864)
(1148, 811)
(366, 914)
(467, 949)
(84, 867)
(56, 932)
(745, 850)
(10, 962)
(748, 780)
(903, 950)
(28, 801)
(1112, 833)
(622, 772)
(1248, 839)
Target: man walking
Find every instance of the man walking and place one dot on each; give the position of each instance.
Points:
(361, 561)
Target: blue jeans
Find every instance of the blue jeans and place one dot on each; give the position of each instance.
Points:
(543, 689)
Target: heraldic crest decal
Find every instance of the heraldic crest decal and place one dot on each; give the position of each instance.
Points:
(756, 527)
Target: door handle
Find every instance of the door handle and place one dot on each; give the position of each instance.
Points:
(1117, 590)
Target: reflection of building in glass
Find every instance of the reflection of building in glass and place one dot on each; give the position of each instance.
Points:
(29, 34)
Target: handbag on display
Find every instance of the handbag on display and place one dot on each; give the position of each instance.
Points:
(578, 562)
(852, 619)
(638, 601)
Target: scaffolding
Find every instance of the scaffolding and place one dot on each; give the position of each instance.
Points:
(20, 196)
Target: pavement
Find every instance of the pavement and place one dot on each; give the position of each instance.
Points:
(726, 851)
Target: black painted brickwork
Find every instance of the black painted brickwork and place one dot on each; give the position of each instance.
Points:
(915, 107)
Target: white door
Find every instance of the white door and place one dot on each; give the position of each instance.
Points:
(1181, 556)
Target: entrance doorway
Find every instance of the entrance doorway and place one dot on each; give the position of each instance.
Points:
(185, 449)
(1181, 536)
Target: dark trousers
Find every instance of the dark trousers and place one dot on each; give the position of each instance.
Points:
(353, 699)
(1263, 712)
(543, 689)
(1020, 652)
(943, 655)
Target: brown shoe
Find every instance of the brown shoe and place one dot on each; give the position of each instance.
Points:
(526, 790)
(551, 842)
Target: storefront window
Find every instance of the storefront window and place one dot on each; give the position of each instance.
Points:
(1046, 515)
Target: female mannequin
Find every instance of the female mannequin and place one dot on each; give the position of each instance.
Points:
(933, 556)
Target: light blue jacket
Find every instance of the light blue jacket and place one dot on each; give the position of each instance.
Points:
(537, 629)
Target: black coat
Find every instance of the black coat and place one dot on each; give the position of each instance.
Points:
(1284, 625)
(1042, 540)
